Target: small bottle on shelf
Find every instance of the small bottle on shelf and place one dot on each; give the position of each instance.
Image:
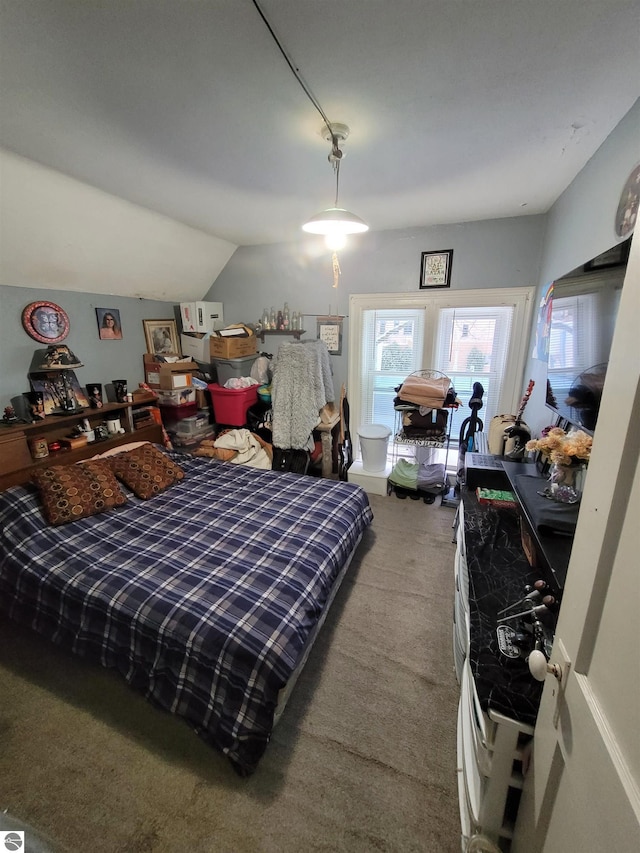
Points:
(285, 317)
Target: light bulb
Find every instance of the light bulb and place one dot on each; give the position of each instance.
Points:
(335, 241)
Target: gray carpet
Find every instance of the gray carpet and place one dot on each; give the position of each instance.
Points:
(363, 759)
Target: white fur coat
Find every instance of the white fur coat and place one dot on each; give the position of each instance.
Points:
(302, 384)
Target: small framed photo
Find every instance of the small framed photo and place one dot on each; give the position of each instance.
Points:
(435, 269)
(109, 326)
(161, 337)
(330, 331)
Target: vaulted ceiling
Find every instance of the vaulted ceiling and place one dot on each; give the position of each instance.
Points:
(459, 109)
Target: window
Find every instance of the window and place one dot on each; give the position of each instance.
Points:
(472, 336)
(472, 345)
(392, 346)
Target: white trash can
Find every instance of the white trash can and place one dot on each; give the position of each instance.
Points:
(373, 444)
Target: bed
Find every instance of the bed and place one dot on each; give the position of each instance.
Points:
(205, 597)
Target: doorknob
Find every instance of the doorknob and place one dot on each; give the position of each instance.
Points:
(539, 667)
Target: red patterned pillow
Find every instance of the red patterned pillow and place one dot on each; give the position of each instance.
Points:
(146, 470)
(69, 492)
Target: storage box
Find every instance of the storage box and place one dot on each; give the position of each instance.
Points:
(206, 347)
(230, 405)
(501, 498)
(73, 443)
(201, 316)
(232, 368)
(169, 377)
(232, 347)
(194, 424)
(183, 397)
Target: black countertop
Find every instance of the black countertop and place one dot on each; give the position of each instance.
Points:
(553, 546)
(498, 573)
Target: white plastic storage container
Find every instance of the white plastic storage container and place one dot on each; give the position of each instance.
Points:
(374, 439)
(194, 424)
(233, 368)
(201, 316)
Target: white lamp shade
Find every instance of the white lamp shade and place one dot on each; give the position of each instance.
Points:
(335, 220)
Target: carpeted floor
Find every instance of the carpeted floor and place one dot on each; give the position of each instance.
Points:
(363, 759)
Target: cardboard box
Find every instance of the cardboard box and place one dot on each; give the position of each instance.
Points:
(206, 347)
(232, 347)
(496, 497)
(168, 377)
(183, 397)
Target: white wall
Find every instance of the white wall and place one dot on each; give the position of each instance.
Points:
(58, 232)
(581, 225)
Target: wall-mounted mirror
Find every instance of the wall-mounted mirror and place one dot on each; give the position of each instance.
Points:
(583, 317)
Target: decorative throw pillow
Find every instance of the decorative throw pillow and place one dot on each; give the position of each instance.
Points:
(69, 492)
(146, 470)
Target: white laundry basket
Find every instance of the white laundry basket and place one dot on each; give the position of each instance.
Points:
(373, 444)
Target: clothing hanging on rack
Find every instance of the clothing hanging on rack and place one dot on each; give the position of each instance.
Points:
(302, 384)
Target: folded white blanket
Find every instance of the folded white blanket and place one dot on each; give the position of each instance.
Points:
(248, 449)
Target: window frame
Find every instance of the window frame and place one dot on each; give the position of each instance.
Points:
(521, 299)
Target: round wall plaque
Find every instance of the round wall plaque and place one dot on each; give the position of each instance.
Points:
(45, 322)
(627, 212)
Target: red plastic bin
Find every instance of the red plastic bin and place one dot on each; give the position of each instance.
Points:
(230, 405)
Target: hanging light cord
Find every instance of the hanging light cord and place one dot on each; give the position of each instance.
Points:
(335, 151)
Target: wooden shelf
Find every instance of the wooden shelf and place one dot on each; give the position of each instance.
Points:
(17, 465)
(295, 333)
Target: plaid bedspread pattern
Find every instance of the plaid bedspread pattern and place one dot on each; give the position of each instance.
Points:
(202, 597)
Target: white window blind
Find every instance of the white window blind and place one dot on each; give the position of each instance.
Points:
(394, 334)
(472, 345)
(392, 347)
(573, 342)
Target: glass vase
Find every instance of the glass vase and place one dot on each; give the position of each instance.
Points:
(566, 482)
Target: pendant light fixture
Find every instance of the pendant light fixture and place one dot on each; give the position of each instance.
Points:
(335, 222)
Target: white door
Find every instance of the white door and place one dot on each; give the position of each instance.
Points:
(582, 792)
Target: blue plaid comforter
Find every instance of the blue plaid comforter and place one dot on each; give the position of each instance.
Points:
(202, 597)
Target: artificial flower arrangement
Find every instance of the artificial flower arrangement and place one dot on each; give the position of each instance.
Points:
(563, 448)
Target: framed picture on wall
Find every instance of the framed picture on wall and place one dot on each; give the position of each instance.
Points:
(161, 337)
(330, 331)
(435, 269)
(109, 326)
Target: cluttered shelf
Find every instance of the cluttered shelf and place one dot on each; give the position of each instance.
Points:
(422, 410)
(27, 446)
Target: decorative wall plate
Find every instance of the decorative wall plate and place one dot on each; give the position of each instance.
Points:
(45, 322)
(627, 211)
